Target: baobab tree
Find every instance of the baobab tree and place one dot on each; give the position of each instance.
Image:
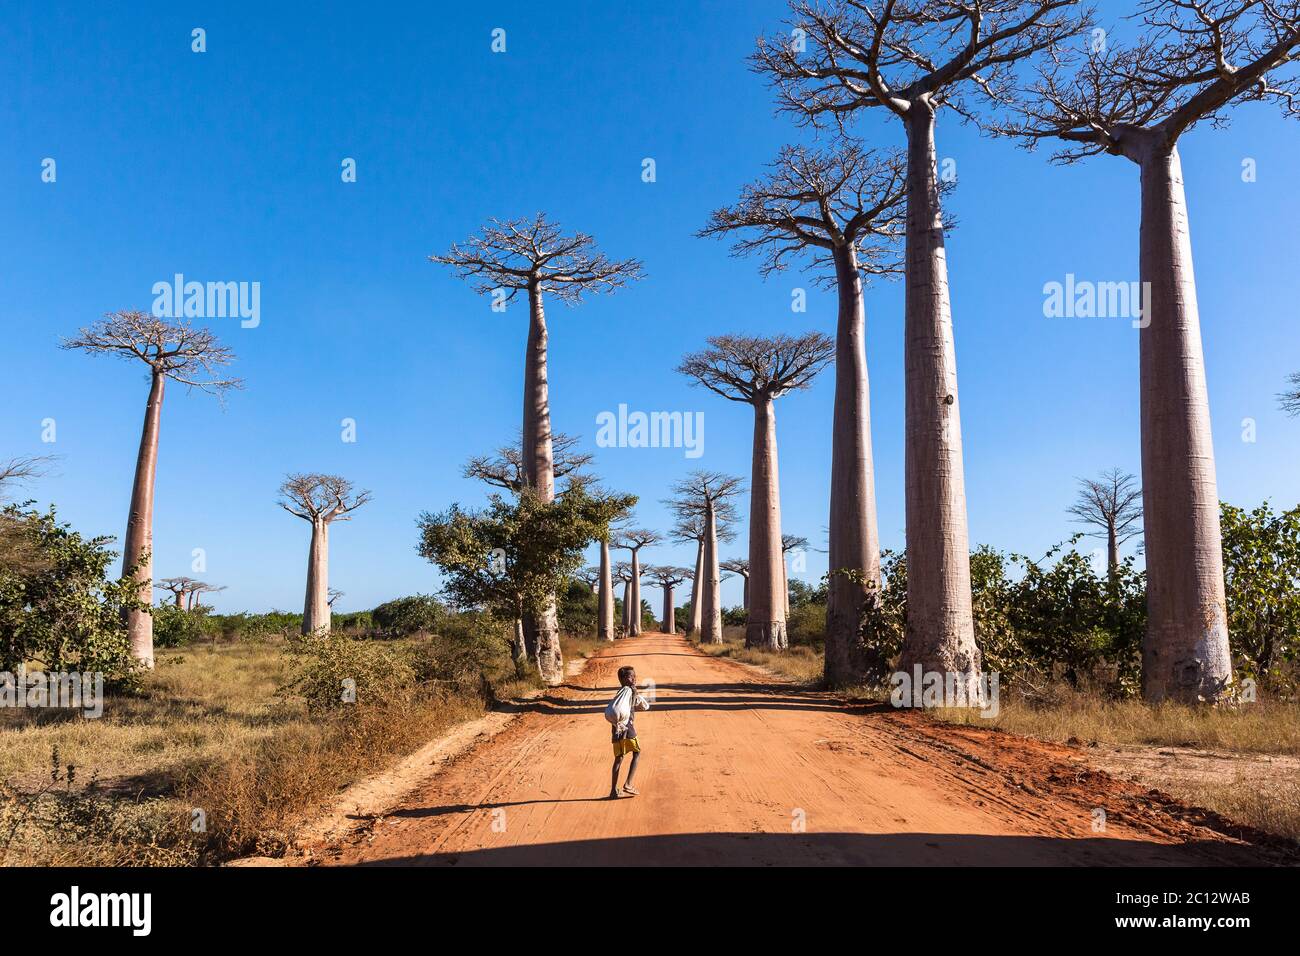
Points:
(740, 568)
(758, 371)
(914, 58)
(622, 572)
(590, 576)
(706, 497)
(535, 257)
(320, 500)
(333, 595)
(1194, 59)
(505, 469)
(197, 588)
(668, 577)
(841, 211)
(789, 542)
(633, 540)
(1112, 504)
(177, 587)
(184, 354)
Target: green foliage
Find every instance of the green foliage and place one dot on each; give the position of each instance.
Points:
(512, 557)
(254, 627)
(578, 608)
(735, 616)
(1261, 568)
(176, 627)
(58, 607)
(408, 615)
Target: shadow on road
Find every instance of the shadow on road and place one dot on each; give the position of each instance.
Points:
(840, 849)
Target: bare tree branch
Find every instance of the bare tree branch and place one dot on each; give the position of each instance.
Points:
(750, 369)
(324, 498)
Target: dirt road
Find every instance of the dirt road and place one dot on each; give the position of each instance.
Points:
(739, 768)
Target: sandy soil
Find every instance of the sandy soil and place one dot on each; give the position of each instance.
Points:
(738, 768)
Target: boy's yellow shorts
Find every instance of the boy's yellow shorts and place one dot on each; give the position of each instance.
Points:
(628, 746)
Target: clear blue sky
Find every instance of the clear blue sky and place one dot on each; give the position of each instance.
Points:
(226, 166)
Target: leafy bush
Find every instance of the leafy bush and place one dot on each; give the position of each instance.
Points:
(176, 627)
(735, 616)
(578, 608)
(408, 615)
(1261, 569)
(58, 607)
(333, 672)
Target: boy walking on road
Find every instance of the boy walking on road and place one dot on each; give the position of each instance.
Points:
(621, 713)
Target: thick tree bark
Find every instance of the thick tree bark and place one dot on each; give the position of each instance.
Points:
(711, 607)
(316, 609)
(940, 628)
(697, 592)
(636, 594)
(180, 603)
(854, 536)
(745, 593)
(1112, 552)
(137, 544)
(669, 625)
(539, 472)
(605, 600)
(1185, 656)
(519, 647)
(765, 624)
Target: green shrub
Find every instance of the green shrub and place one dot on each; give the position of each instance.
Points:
(333, 672)
(408, 615)
(176, 627)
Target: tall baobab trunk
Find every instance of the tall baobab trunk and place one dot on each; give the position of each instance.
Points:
(1185, 656)
(697, 592)
(669, 625)
(765, 623)
(627, 608)
(539, 472)
(745, 593)
(1112, 552)
(711, 606)
(940, 628)
(635, 622)
(316, 609)
(605, 600)
(180, 600)
(137, 545)
(519, 646)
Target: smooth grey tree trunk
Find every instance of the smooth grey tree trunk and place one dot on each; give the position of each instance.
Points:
(697, 592)
(137, 543)
(316, 609)
(854, 542)
(711, 606)
(539, 472)
(519, 647)
(605, 600)
(669, 625)
(1186, 655)
(1112, 552)
(940, 627)
(765, 623)
(636, 594)
(745, 594)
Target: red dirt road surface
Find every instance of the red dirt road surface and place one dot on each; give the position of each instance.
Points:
(741, 769)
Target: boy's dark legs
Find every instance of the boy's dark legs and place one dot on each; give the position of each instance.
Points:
(618, 762)
(631, 773)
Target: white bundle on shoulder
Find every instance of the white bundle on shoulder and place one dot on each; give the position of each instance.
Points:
(619, 710)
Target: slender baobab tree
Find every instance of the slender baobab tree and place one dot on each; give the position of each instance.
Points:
(913, 58)
(740, 568)
(535, 257)
(197, 588)
(1194, 60)
(177, 587)
(1112, 504)
(758, 371)
(842, 210)
(589, 576)
(668, 577)
(633, 540)
(182, 353)
(706, 497)
(622, 572)
(789, 542)
(321, 500)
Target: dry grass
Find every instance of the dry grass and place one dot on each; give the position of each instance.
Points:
(800, 664)
(208, 733)
(1268, 726)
